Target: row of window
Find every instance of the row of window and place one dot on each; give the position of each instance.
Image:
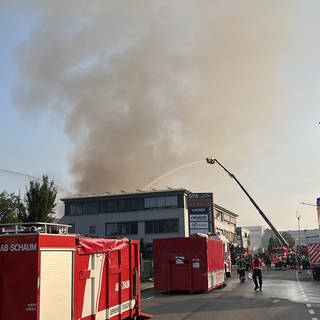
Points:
(131, 228)
(225, 217)
(229, 235)
(122, 205)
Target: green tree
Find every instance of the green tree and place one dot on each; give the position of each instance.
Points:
(269, 240)
(40, 200)
(12, 209)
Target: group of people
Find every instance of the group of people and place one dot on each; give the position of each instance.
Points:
(292, 261)
(253, 265)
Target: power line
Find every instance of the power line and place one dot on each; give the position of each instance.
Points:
(26, 175)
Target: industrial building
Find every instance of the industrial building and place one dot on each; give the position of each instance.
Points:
(148, 215)
(256, 234)
(243, 237)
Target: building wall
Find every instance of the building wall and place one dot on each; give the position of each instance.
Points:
(225, 222)
(256, 234)
(97, 214)
(303, 235)
(81, 212)
(243, 236)
(84, 222)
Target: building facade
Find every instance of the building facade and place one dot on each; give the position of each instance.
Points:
(256, 234)
(301, 236)
(143, 215)
(225, 222)
(243, 237)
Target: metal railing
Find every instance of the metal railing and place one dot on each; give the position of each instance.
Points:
(34, 227)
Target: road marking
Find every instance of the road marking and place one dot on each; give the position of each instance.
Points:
(311, 311)
(275, 301)
(314, 318)
(309, 305)
(149, 297)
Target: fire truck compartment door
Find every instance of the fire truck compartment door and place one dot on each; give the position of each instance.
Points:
(56, 285)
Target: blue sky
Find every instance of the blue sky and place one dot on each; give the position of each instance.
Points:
(30, 145)
(246, 92)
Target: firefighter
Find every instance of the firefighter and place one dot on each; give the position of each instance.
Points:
(284, 262)
(257, 272)
(267, 262)
(248, 262)
(293, 260)
(298, 263)
(304, 262)
(241, 263)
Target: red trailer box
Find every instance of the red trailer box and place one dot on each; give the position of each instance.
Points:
(48, 274)
(188, 264)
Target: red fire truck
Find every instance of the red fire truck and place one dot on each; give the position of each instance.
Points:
(277, 254)
(48, 274)
(314, 256)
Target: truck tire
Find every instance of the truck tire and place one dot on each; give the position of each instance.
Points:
(316, 273)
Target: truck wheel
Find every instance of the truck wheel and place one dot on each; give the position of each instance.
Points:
(316, 274)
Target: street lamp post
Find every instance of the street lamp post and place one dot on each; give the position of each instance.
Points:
(318, 213)
(278, 235)
(298, 217)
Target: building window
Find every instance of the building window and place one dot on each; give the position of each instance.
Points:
(150, 203)
(112, 206)
(172, 202)
(92, 229)
(124, 205)
(133, 204)
(91, 207)
(121, 228)
(162, 226)
(218, 215)
(227, 218)
(76, 209)
(161, 202)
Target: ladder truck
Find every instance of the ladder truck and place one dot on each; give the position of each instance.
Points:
(283, 243)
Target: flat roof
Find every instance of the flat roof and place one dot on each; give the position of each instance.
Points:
(126, 194)
(225, 210)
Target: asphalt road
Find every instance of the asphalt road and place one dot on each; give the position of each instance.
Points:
(285, 295)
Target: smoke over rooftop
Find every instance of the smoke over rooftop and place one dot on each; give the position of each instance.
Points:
(145, 86)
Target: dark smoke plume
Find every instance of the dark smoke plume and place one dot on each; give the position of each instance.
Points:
(145, 86)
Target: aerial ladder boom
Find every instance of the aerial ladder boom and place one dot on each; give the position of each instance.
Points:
(278, 235)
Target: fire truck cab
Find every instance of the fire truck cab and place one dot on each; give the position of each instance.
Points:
(48, 274)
